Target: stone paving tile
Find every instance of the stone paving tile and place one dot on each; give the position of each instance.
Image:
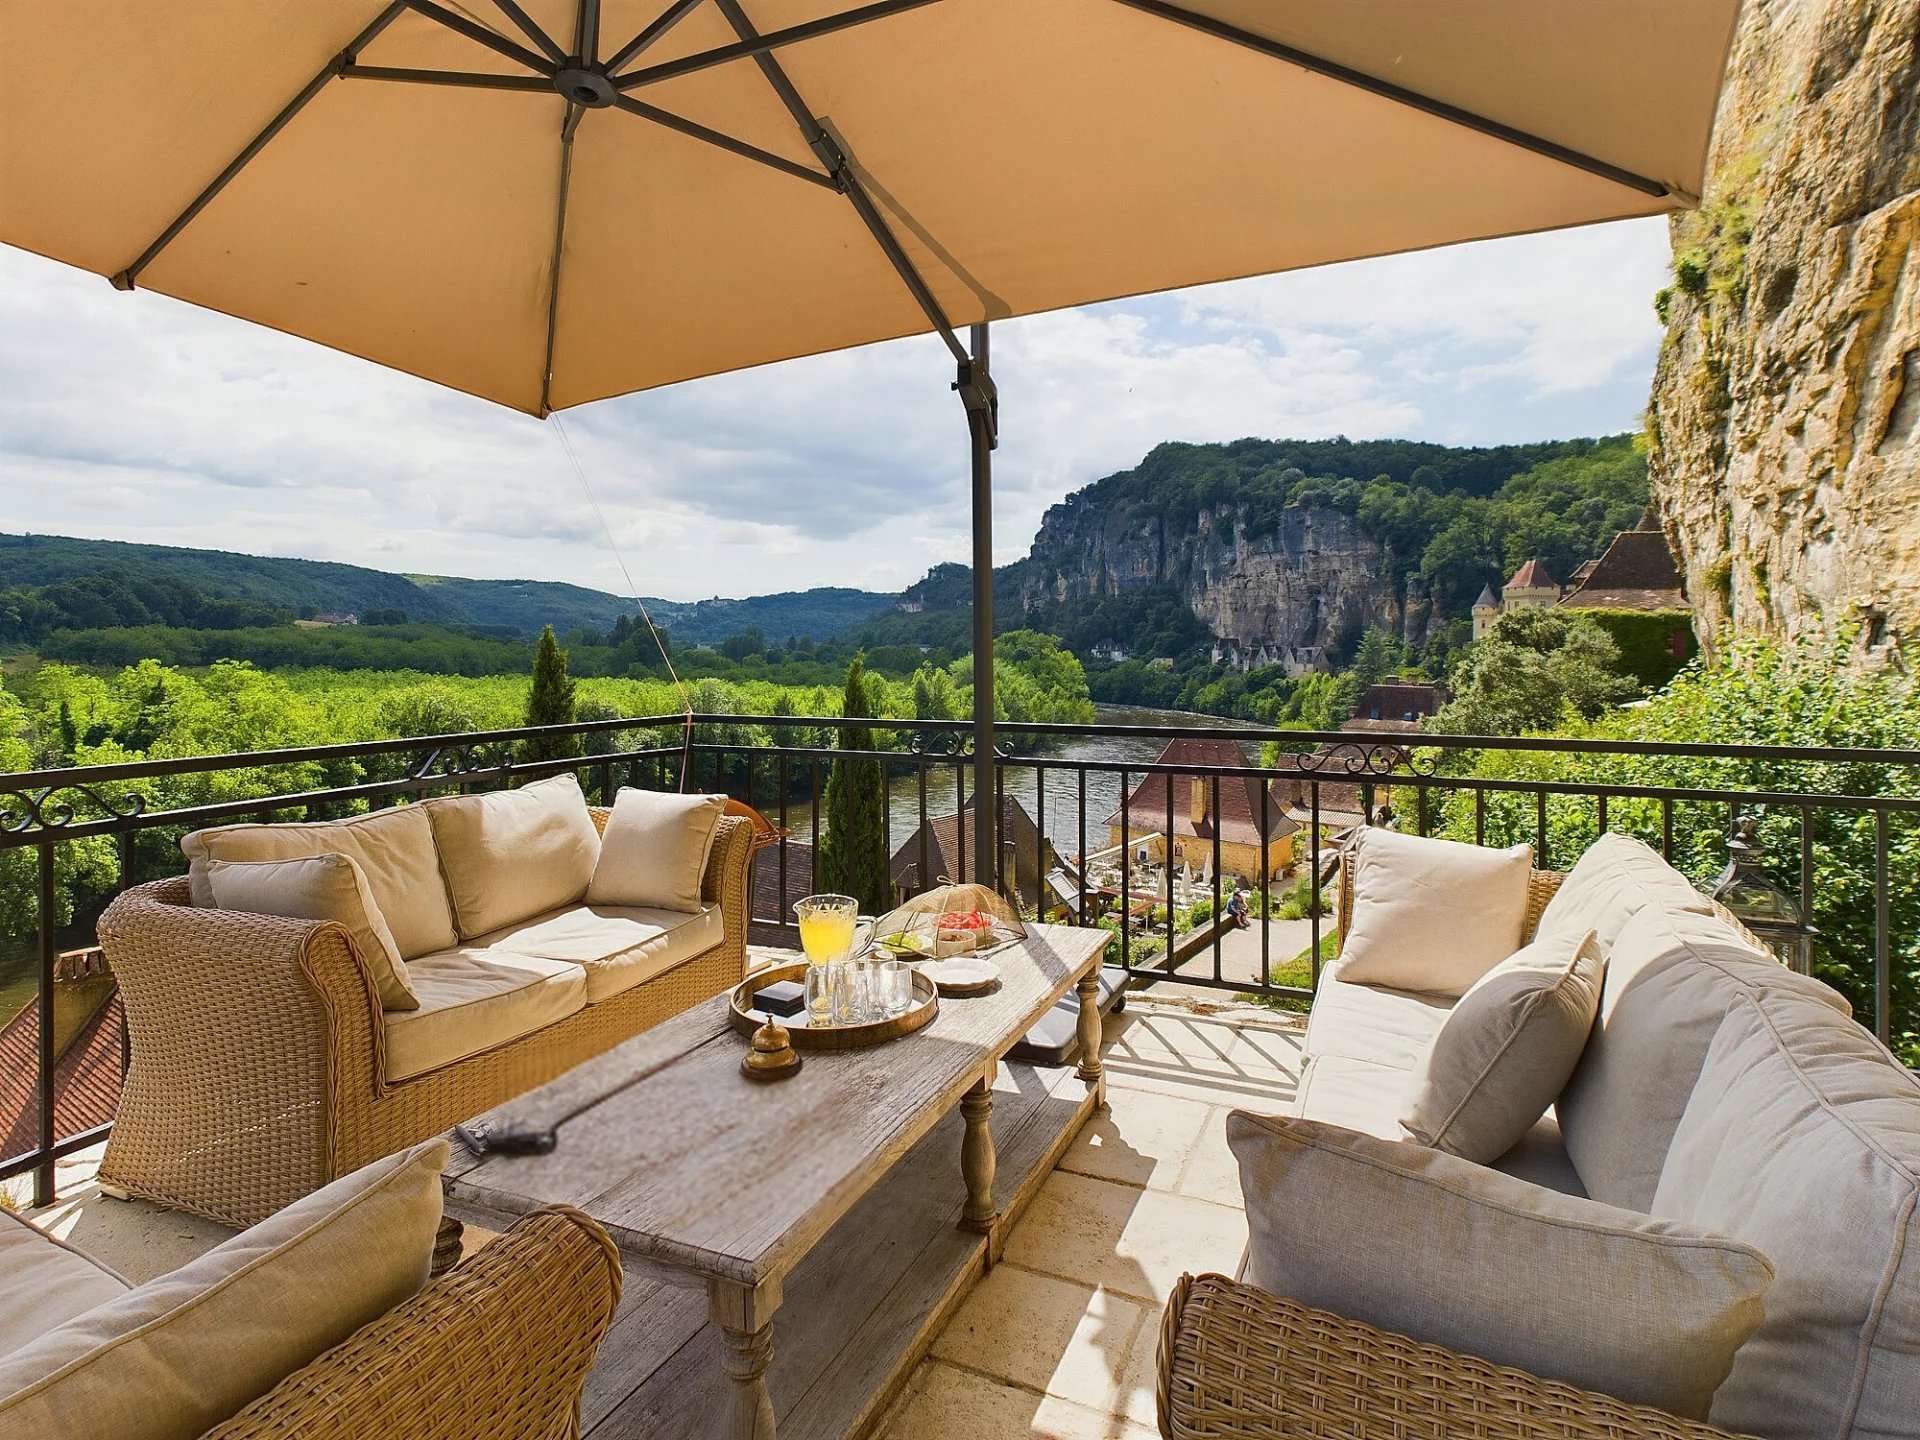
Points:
(1137, 1242)
(1047, 1335)
(947, 1403)
(1145, 1139)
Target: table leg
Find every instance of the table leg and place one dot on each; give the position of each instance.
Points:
(977, 1158)
(745, 1318)
(1091, 1069)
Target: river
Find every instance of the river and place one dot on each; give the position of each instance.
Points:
(1062, 798)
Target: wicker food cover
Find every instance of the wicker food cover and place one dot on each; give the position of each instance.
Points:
(948, 920)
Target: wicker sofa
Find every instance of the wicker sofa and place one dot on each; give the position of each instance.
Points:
(499, 1345)
(262, 1064)
(1717, 1091)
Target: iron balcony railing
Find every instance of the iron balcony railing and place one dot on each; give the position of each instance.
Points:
(1099, 829)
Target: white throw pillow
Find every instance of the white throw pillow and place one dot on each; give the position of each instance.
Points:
(510, 855)
(319, 887)
(1505, 1050)
(654, 850)
(1431, 915)
(178, 1355)
(1429, 1245)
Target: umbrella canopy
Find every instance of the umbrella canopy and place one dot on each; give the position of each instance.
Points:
(554, 201)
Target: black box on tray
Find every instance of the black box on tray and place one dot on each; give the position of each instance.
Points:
(783, 997)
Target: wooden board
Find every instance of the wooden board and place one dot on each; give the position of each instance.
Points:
(860, 1309)
(696, 1166)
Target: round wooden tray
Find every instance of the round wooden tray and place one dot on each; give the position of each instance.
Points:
(926, 1004)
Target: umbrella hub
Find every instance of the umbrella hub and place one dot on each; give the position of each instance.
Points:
(585, 87)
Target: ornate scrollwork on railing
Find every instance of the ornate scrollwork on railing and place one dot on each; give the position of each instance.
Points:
(952, 745)
(54, 808)
(451, 762)
(1359, 759)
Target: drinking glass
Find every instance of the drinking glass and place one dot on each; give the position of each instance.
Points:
(827, 927)
(896, 987)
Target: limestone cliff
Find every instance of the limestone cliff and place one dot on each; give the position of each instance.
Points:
(1785, 416)
(1272, 594)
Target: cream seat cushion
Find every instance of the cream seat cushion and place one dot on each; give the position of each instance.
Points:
(1373, 1022)
(514, 854)
(1427, 1244)
(46, 1282)
(654, 851)
(1506, 1050)
(180, 1354)
(472, 999)
(617, 946)
(1431, 915)
(393, 848)
(1353, 1094)
(319, 887)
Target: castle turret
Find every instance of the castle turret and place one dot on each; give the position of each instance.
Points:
(1486, 610)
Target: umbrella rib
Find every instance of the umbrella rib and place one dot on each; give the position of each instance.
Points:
(1400, 95)
(532, 31)
(126, 278)
(472, 79)
(666, 20)
(839, 165)
(724, 141)
(772, 40)
(481, 35)
(567, 129)
(586, 33)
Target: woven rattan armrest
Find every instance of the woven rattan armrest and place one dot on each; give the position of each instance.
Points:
(1237, 1363)
(498, 1346)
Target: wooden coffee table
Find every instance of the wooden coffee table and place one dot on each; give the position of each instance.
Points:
(731, 1182)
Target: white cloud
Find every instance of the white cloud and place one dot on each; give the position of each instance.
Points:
(136, 417)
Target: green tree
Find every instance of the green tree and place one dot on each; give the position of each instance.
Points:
(550, 702)
(1537, 670)
(853, 843)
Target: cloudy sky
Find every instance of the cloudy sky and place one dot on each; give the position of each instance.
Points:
(134, 417)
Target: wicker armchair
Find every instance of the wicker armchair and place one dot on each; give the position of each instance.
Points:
(498, 1346)
(257, 1068)
(1237, 1363)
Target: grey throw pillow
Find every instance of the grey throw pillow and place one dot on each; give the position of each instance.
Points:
(1507, 1049)
(1429, 1245)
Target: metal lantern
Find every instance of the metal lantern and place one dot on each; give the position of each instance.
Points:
(1763, 907)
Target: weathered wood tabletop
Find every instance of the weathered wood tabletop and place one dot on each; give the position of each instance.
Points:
(697, 1167)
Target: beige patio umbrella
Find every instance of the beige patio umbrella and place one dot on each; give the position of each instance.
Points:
(554, 201)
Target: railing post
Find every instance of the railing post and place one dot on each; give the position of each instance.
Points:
(43, 1174)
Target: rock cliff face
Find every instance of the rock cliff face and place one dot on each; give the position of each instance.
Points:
(1272, 595)
(1785, 416)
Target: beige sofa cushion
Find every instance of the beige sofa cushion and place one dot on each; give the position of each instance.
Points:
(1372, 1022)
(319, 887)
(654, 850)
(1431, 915)
(1671, 977)
(393, 848)
(46, 1282)
(514, 854)
(1613, 881)
(178, 1355)
(473, 998)
(1427, 1244)
(1353, 1094)
(1506, 1050)
(1802, 1137)
(619, 947)
(1541, 1159)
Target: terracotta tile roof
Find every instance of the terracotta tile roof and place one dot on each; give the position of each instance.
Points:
(764, 883)
(86, 1081)
(1636, 573)
(1239, 816)
(1335, 771)
(1533, 576)
(1399, 700)
(950, 837)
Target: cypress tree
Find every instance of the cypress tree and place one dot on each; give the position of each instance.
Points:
(550, 702)
(853, 842)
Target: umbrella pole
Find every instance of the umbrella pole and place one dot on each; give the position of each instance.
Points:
(982, 403)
